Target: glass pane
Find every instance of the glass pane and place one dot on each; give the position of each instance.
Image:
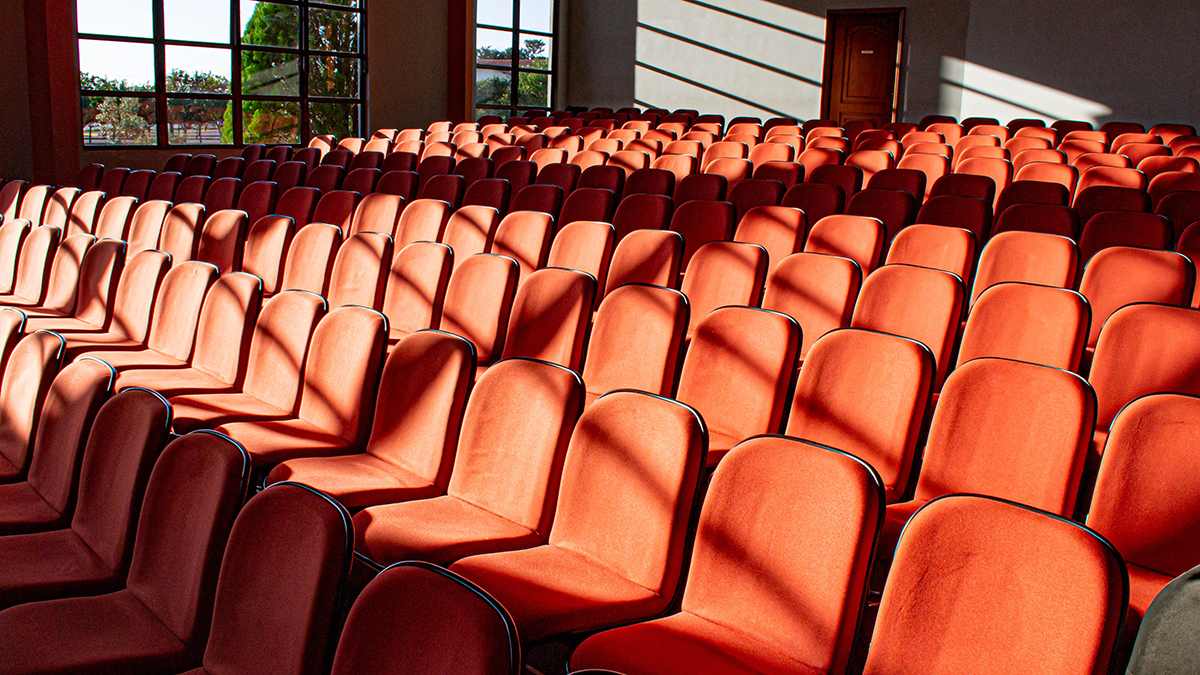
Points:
(115, 17)
(537, 15)
(494, 12)
(335, 76)
(199, 122)
(197, 20)
(330, 30)
(270, 74)
(493, 47)
(269, 24)
(198, 69)
(115, 120)
(536, 51)
(118, 66)
(493, 87)
(270, 122)
(339, 119)
(534, 89)
(343, 3)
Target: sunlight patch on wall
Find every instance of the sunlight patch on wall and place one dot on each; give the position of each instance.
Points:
(733, 57)
(970, 90)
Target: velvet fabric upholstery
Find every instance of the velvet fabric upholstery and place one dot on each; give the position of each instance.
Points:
(93, 553)
(27, 379)
(550, 317)
(865, 393)
(942, 613)
(1027, 322)
(416, 288)
(818, 291)
(724, 273)
(479, 298)
(587, 247)
(46, 499)
(377, 213)
(266, 249)
(360, 271)
(615, 552)
(471, 230)
(506, 474)
(1121, 275)
(422, 220)
(858, 238)
(950, 249)
(439, 607)
(310, 258)
(780, 592)
(737, 372)
(1028, 257)
(700, 222)
(636, 341)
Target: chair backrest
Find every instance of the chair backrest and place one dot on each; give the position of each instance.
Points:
(33, 204)
(127, 436)
(896, 209)
(724, 273)
(113, 221)
(1145, 495)
(634, 461)
(603, 176)
(858, 238)
(13, 234)
(1120, 275)
(222, 240)
(266, 249)
(514, 436)
(341, 372)
(1042, 218)
(192, 496)
(737, 372)
(636, 341)
(287, 580)
(10, 198)
(649, 182)
(525, 236)
(177, 308)
(67, 414)
(38, 252)
(479, 299)
(912, 181)
(258, 199)
(817, 200)
(310, 258)
(27, 379)
(360, 271)
(279, 347)
(950, 552)
(1144, 349)
(84, 212)
(298, 203)
(1026, 322)
(63, 281)
(439, 604)
(1099, 198)
(361, 181)
(1031, 192)
(550, 317)
(818, 291)
(701, 186)
(471, 230)
(337, 208)
(640, 212)
(98, 276)
(1124, 228)
(950, 249)
(779, 230)
(848, 178)
(58, 207)
(137, 289)
(967, 213)
(993, 435)
(701, 222)
(865, 393)
(594, 204)
(914, 302)
(748, 574)
(422, 220)
(181, 229)
(138, 184)
(416, 287)
(585, 246)
(226, 325)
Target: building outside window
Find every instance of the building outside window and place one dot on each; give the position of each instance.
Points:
(183, 73)
(514, 56)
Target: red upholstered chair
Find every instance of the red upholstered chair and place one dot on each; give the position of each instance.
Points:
(636, 341)
(587, 247)
(940, 580)
(967, 213)
(478, 302)
(739, 366)
(439, 606)
(647, 454)
(950, 249)
(550, 317)
(866, 392)
(1121, 275)
(738, 605)
(858, 238)
(1027, 322)
(505, 480)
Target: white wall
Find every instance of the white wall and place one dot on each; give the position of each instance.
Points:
(1098, 60)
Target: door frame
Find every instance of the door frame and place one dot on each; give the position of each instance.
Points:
(830, 34)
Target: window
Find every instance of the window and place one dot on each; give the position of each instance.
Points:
(300, 70)
(514, 62)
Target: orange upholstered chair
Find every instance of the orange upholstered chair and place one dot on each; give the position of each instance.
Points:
(1029, 257)
(739, 607)
(636, 341)
(615, 552)
(724, 273)
(1027, 322)
(478, 301)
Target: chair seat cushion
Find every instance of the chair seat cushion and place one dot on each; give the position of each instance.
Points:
(172, 382)
(273, 441)
(107, 633)
(23, 510)
(357, 481)
(47, 565)
(86, 342)
(550, 590)
(440, 530)
(209, 411)
(683, 643)
(141, 358)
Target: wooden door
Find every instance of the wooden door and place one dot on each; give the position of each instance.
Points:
(862, 65)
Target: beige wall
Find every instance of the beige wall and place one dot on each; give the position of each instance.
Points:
(16, 159)
(406, 46)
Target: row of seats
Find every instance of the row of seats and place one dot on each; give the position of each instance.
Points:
(542, 605)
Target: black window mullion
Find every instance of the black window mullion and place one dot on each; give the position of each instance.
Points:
(305, 127)
(235, 80)
(160, 74)
(515, 80)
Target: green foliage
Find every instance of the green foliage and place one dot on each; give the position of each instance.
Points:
(208, 83)
(532, 88)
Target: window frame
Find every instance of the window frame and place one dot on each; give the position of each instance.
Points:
(235, 96)
(514, 69)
